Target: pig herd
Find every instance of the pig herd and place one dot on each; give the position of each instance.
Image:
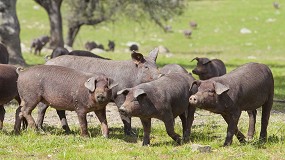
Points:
(139, 89)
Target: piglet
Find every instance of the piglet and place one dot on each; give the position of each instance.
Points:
(207, 68)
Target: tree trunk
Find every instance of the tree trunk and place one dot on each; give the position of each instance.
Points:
(10, 31)
(74, 27)
(52, 7)
(71, 34)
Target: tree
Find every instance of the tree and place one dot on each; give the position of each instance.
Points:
(10, 31)
(52, 8)
(93, 12)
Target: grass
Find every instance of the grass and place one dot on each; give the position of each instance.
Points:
(217, 36)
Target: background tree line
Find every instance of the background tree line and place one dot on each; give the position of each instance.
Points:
(82, 12)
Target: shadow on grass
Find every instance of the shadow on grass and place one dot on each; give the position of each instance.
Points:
(116, 133)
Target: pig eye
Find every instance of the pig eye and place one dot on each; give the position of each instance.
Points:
(146, 67)
(211, 92)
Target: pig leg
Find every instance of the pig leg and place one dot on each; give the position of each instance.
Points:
(126, 120)
(23, 120)
(264, 119)
(232, 129)
(169, 125)
(2, 115)
(184, 126)
(41, 113)
(146, 122)
(101, 114)
(61, 113)
(62, 116)
(252, 121)
(26, 110)
(18, 118)
(82, 122)
(127, 125)
(190, 119)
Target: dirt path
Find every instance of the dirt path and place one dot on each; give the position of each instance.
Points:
(201, 117)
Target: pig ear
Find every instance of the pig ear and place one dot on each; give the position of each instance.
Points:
(220, 88)
(206, 60)
(138, 92)
(153, 54)
(123, 91)
(90, 84)
(111, 83)
(197, 83)
(137, 58)
(196, 58)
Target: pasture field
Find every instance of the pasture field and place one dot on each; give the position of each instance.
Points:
(235, 31)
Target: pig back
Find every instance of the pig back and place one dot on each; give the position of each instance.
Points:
(251, 85)
(55, 84)
(220, 67)
(171, 90)
(125, 73)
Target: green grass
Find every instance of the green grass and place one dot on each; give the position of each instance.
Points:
(217, 36)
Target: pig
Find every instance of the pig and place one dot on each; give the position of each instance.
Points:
(207, 68)
(90, 45)
(187, 33)
(127, 73)
(4, 55)
(64, 89)
(164, 99)
(248, 87)
(59, 51)
(134, 47)
(111, 46)
(172, 68)
(8, 88)
(39, 43)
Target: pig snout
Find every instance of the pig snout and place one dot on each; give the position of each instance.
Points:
(193, 99)
(100, 98)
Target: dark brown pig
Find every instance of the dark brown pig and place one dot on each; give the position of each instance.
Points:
(207, 69)
(164, 99)
(39, 43)
(246, 88)
(8, 88)
(64, 89)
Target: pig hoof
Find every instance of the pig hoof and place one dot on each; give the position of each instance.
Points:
(249, 138)
(186, 139)
(105, 135)
(130, 133)
(145, 143)
(178, 141)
